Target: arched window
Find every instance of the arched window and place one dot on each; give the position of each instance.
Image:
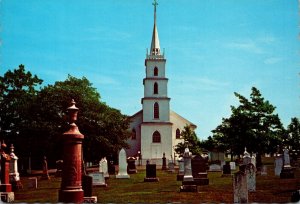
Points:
(156, 110)
(155, 71)
(156, 137)
(155, 88)
(133, 134)
(177, 133)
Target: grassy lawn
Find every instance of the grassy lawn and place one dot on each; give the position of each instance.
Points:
(269, 189)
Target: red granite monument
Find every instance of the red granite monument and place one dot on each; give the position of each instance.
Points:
(71, 184)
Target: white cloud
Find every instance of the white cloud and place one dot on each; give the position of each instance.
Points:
(248, 45)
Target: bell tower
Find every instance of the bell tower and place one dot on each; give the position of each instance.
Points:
(156, 128)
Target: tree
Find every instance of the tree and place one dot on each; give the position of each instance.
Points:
(190, 140)
(18, 91)
(105, 128)
(293, 134)
(252, 124)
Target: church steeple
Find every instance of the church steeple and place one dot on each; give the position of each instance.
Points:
(155, 47)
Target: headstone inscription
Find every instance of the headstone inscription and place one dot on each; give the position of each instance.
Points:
(122, 165)
(103, 167)
(240, 187)
(151, 173)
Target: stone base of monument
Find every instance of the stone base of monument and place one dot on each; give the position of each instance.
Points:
(122, 176)
(5, 188)
(188, 188)
(91, 199)
(7, 197)
(131, 171)
(287, 173)
(151, 179)
(180, 177)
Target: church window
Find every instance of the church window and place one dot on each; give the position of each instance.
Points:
(156, 137)
(155, 91)
(177, 133)
(133, 134)
(155, 71)
(156, 110)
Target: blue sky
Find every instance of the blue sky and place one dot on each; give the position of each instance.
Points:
(213, 49)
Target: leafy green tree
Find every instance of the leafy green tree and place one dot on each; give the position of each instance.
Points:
(252, 124)
(104, 128)
(293, 134)
(190, 140)
(18, 91)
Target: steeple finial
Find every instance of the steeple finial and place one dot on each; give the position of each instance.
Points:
(155, 47)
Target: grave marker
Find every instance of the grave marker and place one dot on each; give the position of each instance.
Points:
(122, 165)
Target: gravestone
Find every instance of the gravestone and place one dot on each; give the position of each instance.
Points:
(232, 165)
(199, 170)
(188, 181)
(32, 182)
(131, 168)
(215, 167)
(164, 162)
(13, 170)
(98, 179)
(103, 167)
(264, 170)
(287, 171)
(246, 157)
(240, 187)
(278, 165)
(151, 173)
(122, 165)
(180, 170)
(253, 160)
(226, 169)
(171, 167)
(251, 177)
(45, 174)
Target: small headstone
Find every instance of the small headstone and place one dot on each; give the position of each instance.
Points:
(232, 165)
(98, 179)
(32, 182)
(214, 167)
(278, 165)
(151, 173)
(171, 167)
(103, 167)
(240, 187)
(122, 165)
(199, 170)
(226, 169)
(131, 168)
(264, 171)
(251, 177)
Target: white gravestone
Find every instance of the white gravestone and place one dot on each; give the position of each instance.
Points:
(232, 166)
(286, 159)
(215, 167)
(264, 170)
(188, 176)
(181, 166)
(240, 189)
(122, 165)
(251, 177)
(98, 179)
(246, 157)
(103, 167)
(278, 165)
(253, 160)
(13, 166)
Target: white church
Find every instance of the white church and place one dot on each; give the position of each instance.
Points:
(156, 128)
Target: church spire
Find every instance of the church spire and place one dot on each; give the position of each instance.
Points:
(155, 47)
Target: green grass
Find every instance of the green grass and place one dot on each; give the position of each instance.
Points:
(269, 189)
